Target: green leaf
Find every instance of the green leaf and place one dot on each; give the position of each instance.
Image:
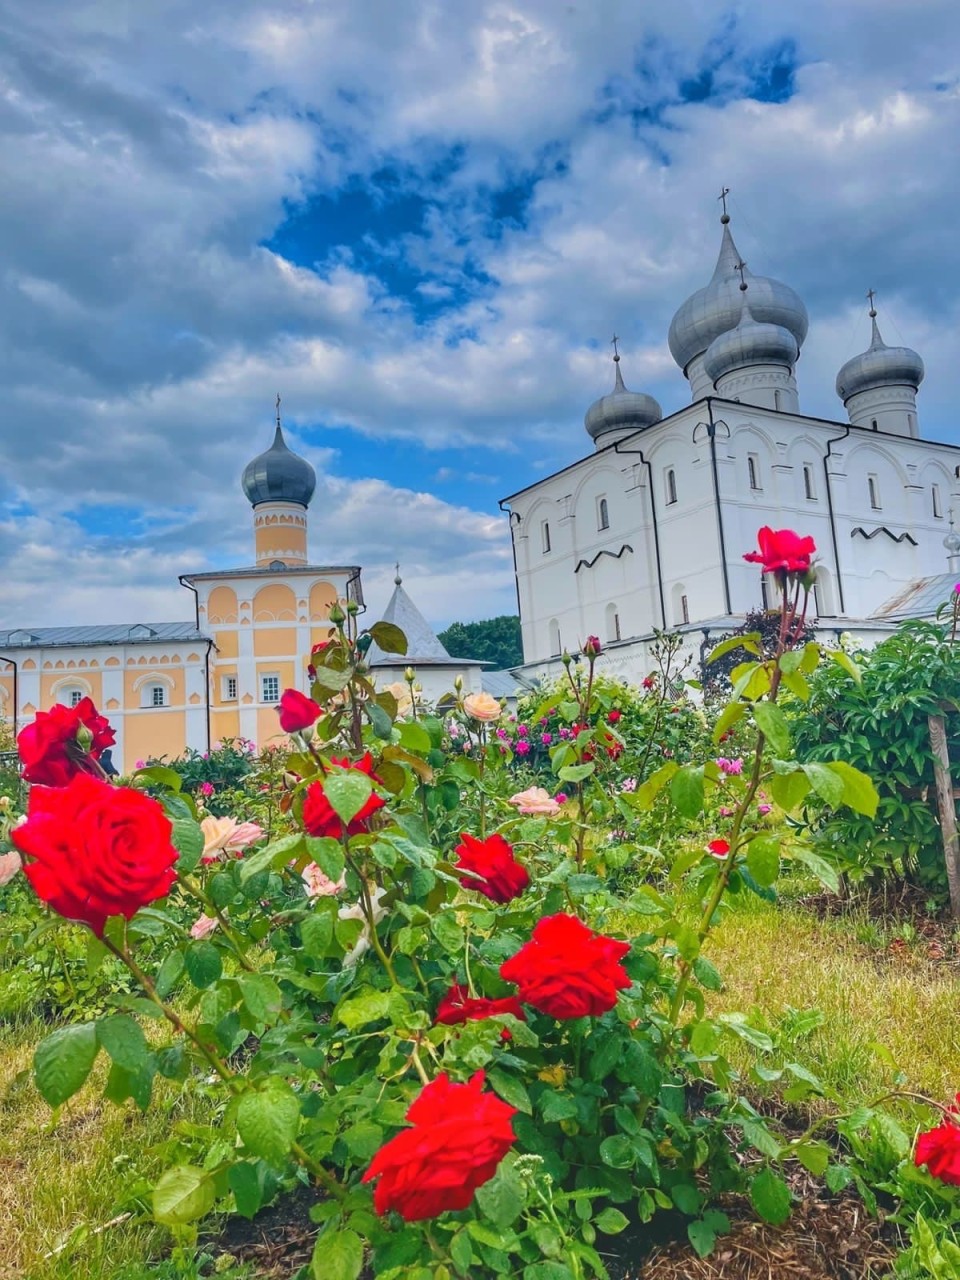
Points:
(169, 973)
(187, 839)
(548, 1271)
(338, 1255)
(268, 1120)
(686, 790)
(576, 772)
(381, 722)
(502, 1198)
(363, 1139)
(275, 854)
(448, 932)
(510, 1089)
(327, 853)
(814, 1156)
(702, 1236)
(771, 1197)
(348, 791)
(618, 1152)
(844, 660)
(183, 1194)
(364, 1008)
(203, 963)
(415, 738)
(772, 723)
(244, 1181)
(261, 995)
(123, 1040)
(789, 789)
(611, 1222)
(761, 1139)
(763, 859)
(825, 873)
(159, 775)
(858, 789)
(316, 932)
(62, 1062)
(731, 714)
(389, 637)
(558, 1106)
(750, 642)
(824, 782)
(707, 974)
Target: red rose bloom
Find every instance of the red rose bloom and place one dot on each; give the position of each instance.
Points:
(719, 848)
(319, 816)
(459, 1006)
(592, 647)
(939, 1149)
(297, 711)
(459, 1136)
(49, 748)
(568, 971)
(95, 850)
(614, 717)
(501, 876)
(782, 551)
(648, 682)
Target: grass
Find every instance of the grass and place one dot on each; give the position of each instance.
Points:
(63, 1176)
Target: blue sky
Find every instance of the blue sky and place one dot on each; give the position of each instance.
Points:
(421, 225)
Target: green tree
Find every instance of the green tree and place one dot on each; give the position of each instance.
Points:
(495, 640)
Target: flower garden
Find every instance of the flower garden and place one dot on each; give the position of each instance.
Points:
(445, 984)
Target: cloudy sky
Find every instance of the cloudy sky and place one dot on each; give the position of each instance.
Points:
(420, 222)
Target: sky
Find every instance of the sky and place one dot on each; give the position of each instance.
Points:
(421, 223)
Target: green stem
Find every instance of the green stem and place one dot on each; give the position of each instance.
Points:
(228, 932)
(366, 902)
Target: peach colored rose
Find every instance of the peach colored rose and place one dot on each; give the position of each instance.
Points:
(536, 801)
(10, 864)
(318, 884)
(482, 706)
(226, 835)
(203, 926)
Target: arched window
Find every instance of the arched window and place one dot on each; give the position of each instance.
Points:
(753, 470)
(935, 496)
(873, 487)
(555, 647)
(603, 514)
(613, 623)
(808, 490)
(671, 484)
(545, 536)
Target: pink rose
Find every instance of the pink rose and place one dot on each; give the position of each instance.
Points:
(319, 885)
(10, 864)
(227, 836)
(536, 801)
(203, 926)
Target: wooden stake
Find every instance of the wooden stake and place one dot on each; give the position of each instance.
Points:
(948, 809)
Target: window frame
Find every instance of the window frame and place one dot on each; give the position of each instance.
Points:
(753, 473)
(936, 502)
(670, 484)
(225, 683)
(269, 700)
(873, 492)
(809, 488)
(156, 695)
(603, 514)
(545, 544)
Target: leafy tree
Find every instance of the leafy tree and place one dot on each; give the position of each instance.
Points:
(495, 640)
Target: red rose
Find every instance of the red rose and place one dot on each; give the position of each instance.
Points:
(782, 551)
(49, 748)
(719, 848)
(592, 648)
(648, 682)
(319, 816)
(459, 1136)
(615, 716)
(95, 850)
(939, 1149)
(459, 1006)
(297, 711)
(501, 876)
(568, 971)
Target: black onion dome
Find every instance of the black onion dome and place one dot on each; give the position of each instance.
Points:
(279, 475)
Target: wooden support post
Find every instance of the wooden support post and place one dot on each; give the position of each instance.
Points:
(948, 808)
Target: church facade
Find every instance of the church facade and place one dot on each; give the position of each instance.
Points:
(648, 532)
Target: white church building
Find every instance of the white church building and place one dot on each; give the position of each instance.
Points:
(648, 532)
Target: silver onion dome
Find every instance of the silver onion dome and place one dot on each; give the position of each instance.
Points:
(750, 343)
(621, 409)
(715, 308)
(879, 366)
(279, 475)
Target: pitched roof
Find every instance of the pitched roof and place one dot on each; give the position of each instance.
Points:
(920, 598)
(111, 633)
(423, 647)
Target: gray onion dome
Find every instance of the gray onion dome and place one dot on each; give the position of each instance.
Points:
(715, 309)
(879, 366)
(750, 343)
(279, 475)
(621, 410)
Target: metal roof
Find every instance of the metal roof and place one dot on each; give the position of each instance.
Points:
(266, 570)
(423, 647)
(920, 598)
(112, 633)
(505, 684)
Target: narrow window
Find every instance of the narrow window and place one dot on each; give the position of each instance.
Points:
(616, 627)
(554, 638)
(545, 535)
(776, 399)
(157, 693)
(935, 495)
(873, 423)
(874, 490)
(764, 591)
(684, 609)
(603, 514)
(808, 489)
(753, 470)
(76, 697)
(671, 479)
(269, 688)
(912, 421)
(229, 689)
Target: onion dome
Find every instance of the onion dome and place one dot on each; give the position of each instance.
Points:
(279, 475)
(750, 343)
(879, 366)
(621, 410)
(715, 309)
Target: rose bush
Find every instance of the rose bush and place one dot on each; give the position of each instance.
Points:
(347, 988)
(62, 742)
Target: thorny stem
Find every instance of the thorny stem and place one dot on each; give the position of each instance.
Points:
(193, 887)
(366, 903)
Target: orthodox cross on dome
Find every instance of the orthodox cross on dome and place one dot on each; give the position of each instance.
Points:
(722, 197)
(871, 295)
(616, 354)
(278, 408)
(741, 267)
(397, 580)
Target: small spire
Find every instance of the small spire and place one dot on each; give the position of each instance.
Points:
(616, 354)
(875, 339)
(741, 268)
(398, 581)
(278, 435)
(724, 217)
(618, 384)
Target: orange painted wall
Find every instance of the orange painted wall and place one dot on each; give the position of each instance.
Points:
(225, 724)
(275, 642)
(175, 695)
(153, 733)
(275, 603)
(268, 728)
(222, 605)
(226, 642)
(322, 596)
(84, 678)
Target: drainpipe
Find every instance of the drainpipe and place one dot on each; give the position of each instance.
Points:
(833, 524)
(185, 582)
(712, 434)
(16, 690)
(638, 453)
(514, 521)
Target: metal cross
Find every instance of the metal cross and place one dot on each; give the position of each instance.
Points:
(278, 408)
(871, 294)
(741, 267)
(613, 342)
(722, 197)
